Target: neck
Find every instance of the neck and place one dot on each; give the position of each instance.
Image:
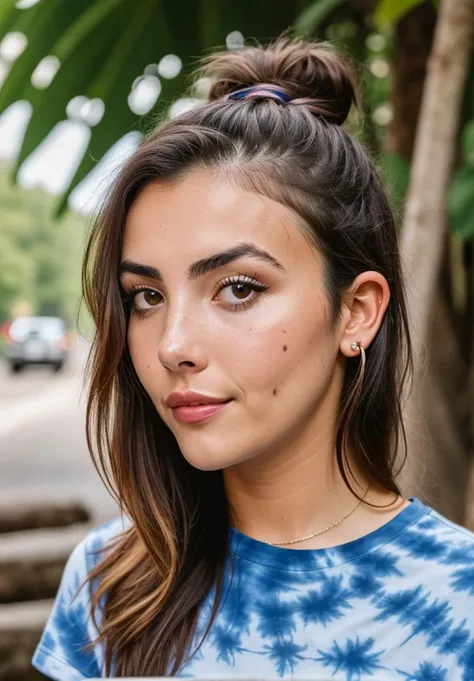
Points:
(278, 498)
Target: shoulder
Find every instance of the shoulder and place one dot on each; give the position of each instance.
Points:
(66, 651)
(438, 555)
(450, 546)
(93, 547)
(451, 530)
(441, 536)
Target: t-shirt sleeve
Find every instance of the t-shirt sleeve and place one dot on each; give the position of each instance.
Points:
(65, 651)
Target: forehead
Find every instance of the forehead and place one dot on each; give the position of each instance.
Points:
(202, 214)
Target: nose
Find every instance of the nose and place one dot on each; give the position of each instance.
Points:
(181, 348)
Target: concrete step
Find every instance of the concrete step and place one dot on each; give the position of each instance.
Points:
(21, 625)
(32, 561)
(23, 617)
(29, 515)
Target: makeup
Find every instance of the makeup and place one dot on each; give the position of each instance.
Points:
(198, 413)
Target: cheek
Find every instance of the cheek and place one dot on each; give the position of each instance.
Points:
(268, 360)
(141, 350)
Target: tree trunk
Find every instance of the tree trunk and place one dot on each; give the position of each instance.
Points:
(423, 238)
(413, 41)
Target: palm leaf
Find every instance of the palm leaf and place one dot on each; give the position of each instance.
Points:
(9, 15)
(316, 14)
(166, 32)
(145, 32)
(43, 29)
(14, 19)
(104, 45)
(73, 78)
(391, 11)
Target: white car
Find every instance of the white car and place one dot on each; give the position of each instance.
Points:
(36, 340)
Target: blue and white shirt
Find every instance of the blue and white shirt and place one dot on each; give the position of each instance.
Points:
(394, 605)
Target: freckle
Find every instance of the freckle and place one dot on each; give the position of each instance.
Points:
(274, 391)
(284, 330)
(285, 348)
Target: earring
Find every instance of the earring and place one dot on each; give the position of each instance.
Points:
(356, 345)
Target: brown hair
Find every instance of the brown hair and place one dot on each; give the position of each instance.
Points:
(155, 576)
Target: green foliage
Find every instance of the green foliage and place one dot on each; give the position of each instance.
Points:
(391, 11)
(40, 259)
(317, 13)
(467, 142)
(396, 173)
(460, 203)
(105, 45)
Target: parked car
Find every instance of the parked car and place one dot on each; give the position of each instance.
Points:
(37, 340)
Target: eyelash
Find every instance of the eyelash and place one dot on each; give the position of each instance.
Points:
(130, 295)
(253, 284)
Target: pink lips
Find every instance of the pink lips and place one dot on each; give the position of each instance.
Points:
(191, 407)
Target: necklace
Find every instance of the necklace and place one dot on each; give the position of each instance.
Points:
(316, 534)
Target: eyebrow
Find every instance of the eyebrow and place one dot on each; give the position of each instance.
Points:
(205, 265)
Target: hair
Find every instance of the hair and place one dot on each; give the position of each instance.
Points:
(155, 575)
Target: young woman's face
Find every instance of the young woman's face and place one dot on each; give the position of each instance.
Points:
(228, 302)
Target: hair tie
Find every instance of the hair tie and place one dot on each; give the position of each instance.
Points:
(280, 95)
(261, 91)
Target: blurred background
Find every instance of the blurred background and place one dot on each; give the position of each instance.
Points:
(80, 83)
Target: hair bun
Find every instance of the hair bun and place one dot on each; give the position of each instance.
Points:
(311, 72)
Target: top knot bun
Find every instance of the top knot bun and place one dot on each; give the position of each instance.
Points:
(309, 70)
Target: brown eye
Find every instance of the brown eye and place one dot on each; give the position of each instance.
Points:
(151, 297)
(237, 294)
(241, 291)
(146, 299)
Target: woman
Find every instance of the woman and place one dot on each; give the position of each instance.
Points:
(251, 349)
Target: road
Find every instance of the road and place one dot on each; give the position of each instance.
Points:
(43, 450)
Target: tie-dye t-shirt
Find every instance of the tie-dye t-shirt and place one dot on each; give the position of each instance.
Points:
(396, 604)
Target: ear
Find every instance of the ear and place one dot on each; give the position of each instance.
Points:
(364, 306)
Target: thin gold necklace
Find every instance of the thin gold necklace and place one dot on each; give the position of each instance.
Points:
(316, 534)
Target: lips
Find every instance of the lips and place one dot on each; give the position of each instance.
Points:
(191, 407)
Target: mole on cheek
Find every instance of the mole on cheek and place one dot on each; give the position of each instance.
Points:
(285, 348)
(274, 391)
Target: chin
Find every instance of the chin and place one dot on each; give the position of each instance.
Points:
(207, 461)
(211, 456)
